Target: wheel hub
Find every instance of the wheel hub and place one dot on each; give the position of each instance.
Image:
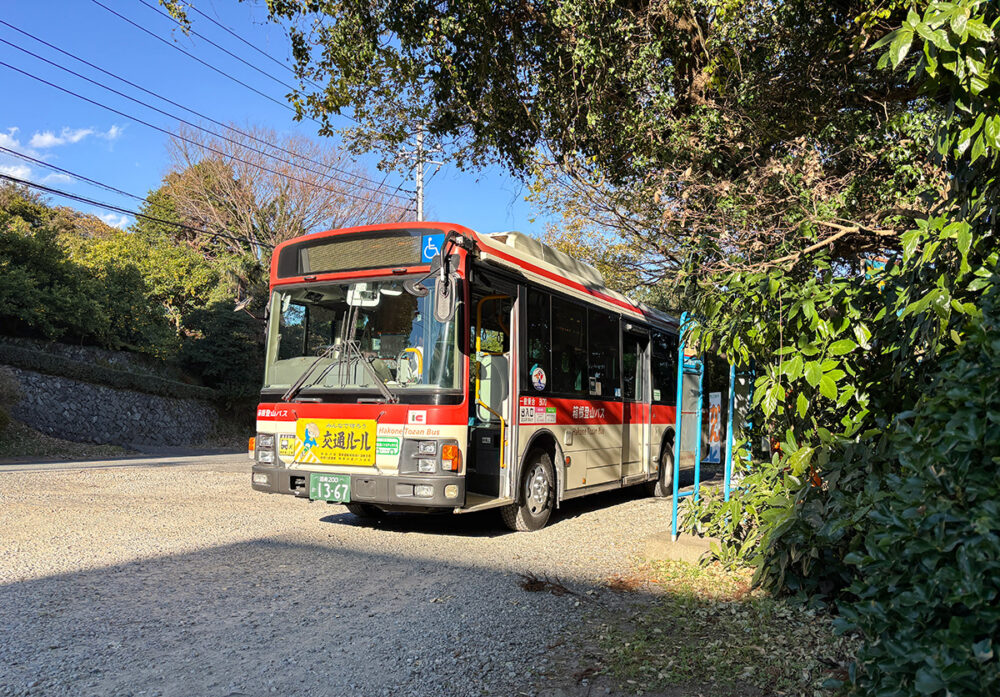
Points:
(538, 490)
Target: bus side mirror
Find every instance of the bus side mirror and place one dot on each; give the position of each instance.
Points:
(445, 298)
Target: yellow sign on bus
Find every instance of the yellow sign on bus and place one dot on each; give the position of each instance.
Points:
(336, 441)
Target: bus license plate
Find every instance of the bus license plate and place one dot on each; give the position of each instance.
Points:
(330, 487)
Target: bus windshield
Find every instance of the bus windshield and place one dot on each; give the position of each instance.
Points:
(361, 332)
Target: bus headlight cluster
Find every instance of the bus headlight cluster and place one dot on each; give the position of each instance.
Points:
(265, 448)
(430, 456)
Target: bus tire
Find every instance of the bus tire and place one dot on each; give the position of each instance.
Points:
(663, 486)
(538, 495)
(365, 511)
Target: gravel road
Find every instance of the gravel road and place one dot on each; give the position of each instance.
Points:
(181, 581)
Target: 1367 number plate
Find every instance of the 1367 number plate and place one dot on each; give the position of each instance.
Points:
(330, 487)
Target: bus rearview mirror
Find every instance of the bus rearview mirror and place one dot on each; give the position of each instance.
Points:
(445, 299)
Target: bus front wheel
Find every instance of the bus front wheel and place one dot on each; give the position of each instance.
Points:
(365, 511)
(538, 494)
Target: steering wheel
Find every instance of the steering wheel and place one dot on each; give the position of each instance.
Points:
(413, 361)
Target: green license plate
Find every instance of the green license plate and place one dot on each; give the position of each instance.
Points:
(330, 487)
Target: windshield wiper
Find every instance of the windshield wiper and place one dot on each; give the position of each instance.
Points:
(389, 395)
(300, 383)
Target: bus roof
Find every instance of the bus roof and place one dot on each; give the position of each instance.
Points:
(534, 259)
(559, 270)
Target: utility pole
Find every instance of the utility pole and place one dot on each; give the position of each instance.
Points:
(419, 158)
(420, 174)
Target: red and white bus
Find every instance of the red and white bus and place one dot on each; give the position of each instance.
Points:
(427, 367)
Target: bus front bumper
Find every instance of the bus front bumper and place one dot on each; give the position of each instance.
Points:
(386, 491)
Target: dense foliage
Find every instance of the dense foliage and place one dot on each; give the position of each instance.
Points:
(927, 573)
(45, 292)
(68, 277)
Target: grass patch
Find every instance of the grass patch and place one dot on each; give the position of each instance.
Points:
(705, 629)
(20, 440)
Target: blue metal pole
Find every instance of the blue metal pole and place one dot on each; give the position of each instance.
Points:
(697, 447)
(729, 431)
(677, 424)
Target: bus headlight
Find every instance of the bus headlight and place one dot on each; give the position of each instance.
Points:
(423, 491)
(426, 465)
(426, 447)
(265, 448)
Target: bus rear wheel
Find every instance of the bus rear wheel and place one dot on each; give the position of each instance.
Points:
(538, 495)
(663, 485)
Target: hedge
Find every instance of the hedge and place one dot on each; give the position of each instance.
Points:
(52, 364)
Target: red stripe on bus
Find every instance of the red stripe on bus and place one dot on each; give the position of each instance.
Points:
(571, 411)
(409, 414)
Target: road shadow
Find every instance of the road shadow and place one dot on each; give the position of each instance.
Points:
(273, 616)
(488, 523)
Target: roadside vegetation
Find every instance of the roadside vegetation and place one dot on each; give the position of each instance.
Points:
(706, 631)
(20, 441)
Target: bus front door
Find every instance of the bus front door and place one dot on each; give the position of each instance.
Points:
(636, 410)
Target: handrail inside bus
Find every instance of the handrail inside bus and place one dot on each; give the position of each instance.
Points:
(479, 351)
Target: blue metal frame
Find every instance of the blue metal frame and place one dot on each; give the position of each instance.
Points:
(684, 366)
(728, 474)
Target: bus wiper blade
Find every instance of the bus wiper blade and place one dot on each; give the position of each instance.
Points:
(389, 395)
(300, 383)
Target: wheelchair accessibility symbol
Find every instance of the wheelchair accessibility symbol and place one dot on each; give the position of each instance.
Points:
(431, 246)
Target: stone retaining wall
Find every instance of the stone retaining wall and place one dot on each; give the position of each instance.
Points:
(80, 411)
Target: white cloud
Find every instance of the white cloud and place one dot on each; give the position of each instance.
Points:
(56, 178)
(9, 140)
(19, 171)
(115, 220)
(48, 139)
(112, 133)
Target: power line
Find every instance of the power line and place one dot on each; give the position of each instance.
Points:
(194, 57)
(126, 211)
(193, 111)
(267, 55)
(42, 163)
(224, 50)
(189, 123)
(185, 139)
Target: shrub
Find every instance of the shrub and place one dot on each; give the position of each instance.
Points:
(227, 351)
(10, 394)
(928, 572)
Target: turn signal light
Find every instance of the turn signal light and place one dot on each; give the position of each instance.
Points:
(451, 458)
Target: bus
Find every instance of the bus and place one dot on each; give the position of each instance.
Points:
(425, 367)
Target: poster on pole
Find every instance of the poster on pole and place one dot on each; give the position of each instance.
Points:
(714, 427)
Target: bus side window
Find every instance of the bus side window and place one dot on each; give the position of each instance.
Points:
(569, 352)
(664, 368)
(602, 341)
(539, 340)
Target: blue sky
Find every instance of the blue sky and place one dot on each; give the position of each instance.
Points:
(42, 122)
